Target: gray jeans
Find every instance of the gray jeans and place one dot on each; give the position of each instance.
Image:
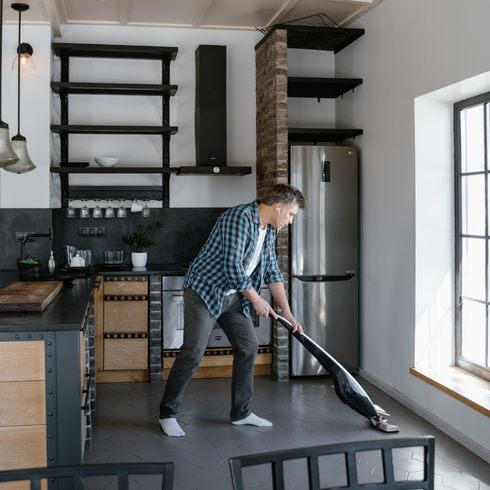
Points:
(198, 324)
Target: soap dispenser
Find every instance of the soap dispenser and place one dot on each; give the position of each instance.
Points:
(51, 263)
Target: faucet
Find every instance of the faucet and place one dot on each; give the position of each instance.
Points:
(49, 235)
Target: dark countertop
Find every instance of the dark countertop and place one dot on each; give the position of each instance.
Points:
(65, 312)
(128, 270)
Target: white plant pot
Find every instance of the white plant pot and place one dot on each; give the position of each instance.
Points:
(139, 259)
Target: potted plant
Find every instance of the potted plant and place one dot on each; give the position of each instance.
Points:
(139, 241)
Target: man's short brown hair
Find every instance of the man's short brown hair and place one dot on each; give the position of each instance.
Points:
(283, 193)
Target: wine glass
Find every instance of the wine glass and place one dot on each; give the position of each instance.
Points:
(84, 212)
(121, 210)
(145, 212)
(70, 210)
(97, 213)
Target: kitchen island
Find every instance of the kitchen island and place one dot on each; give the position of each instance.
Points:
(47, 389)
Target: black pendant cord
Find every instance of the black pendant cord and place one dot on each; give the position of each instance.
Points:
(18, 79)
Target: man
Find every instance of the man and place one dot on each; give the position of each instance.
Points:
(221, 285)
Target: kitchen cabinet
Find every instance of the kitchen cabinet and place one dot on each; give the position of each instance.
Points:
(47, 394)
(122, 328)
(64, 88)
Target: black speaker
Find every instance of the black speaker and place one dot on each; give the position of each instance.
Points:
(210, 116)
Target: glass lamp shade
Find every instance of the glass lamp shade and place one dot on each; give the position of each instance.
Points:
(7, 154)
(24, 164)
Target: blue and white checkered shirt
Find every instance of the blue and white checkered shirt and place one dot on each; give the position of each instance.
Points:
(221, 262)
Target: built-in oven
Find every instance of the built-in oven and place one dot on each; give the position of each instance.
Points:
(173, 318)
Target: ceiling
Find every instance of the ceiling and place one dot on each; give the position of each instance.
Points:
(229, 14)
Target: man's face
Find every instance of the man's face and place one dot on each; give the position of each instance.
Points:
(285, 215)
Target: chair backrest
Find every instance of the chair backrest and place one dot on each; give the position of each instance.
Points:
(76, 474)
(348, 455)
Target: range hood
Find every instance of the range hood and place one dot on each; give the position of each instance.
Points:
(210, 115)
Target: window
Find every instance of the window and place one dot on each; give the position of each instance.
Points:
(472, 186)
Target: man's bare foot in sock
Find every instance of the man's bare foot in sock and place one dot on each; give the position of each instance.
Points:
(171, 427)
(252, 419)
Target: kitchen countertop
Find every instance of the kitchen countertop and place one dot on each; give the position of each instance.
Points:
(125, 270)
(65, 312)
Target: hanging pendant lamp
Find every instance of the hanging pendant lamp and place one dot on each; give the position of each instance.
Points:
(7, 154)
(19, 143)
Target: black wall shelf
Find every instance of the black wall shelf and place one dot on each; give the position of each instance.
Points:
(221, 170)
(113, 88)
(99, 129)
(114, 170)
(119, 192)
(114, 51)
(321, 135)
(321, 88)
(316, 37)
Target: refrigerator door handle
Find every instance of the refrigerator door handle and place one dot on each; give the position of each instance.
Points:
(328, 277)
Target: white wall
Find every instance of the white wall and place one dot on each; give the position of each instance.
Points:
(31, 190)
(409, 49)
(193, 191)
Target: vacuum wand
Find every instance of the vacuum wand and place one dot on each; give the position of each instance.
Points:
(347, 388)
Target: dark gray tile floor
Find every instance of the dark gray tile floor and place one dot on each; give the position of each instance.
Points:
(305, 412)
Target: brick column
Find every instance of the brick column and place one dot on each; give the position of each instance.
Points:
(155, 345)
(271, 80)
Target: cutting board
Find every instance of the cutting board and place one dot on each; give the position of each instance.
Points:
(28, 295)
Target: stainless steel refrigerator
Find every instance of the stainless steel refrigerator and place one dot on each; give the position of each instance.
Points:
(325, 249)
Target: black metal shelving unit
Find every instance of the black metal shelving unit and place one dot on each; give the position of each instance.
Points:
(326, 39)
(64, 88)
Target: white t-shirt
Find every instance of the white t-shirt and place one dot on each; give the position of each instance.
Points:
(255, 257)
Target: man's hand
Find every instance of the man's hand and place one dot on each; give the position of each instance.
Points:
(296, 326)
(262, 308)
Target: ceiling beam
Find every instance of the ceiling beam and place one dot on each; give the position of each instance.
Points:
(282, 12)
(56, 14)
(124, 11)
(201, 12)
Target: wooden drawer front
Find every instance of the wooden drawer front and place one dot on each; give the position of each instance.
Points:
(125, 287)
(22, 361)
(24, 485)
(22, 447)
(125, 354)
(22, 403)
(125, 316)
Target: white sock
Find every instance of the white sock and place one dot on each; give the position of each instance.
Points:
(252, 419)
(171, 427)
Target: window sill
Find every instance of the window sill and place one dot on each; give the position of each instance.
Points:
(465, 387)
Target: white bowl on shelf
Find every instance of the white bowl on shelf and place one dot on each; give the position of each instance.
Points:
(107, 161)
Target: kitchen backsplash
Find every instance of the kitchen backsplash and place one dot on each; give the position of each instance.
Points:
(30, 220)
(183, 232)
(180, 237)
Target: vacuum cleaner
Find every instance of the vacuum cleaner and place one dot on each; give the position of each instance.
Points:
(347, 388)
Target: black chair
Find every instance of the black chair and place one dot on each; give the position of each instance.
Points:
(72, 477)
(348, 452)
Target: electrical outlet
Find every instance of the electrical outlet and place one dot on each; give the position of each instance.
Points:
(91, 231)
(20, 235)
